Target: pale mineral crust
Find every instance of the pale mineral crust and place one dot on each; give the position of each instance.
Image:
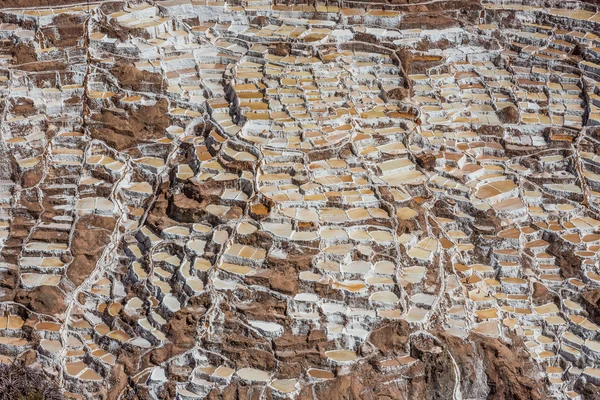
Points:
(267, 199)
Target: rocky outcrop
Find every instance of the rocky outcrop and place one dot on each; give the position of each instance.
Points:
(125, 131)
(91, 236)
(43, 299)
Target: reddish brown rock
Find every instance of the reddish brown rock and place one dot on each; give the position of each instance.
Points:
(43, 299)
(541, 295)
(287, 284)
(23, 53)
(426, 161)
(182, 327)
(92, 234)
(141, 81)
(125, 131)
(509, 115)
(508, 369)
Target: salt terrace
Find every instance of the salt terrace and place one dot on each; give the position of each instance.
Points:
(257, 199)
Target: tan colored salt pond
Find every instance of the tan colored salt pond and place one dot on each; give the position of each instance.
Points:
(379, 280)
(320, 373)
(29, 162)
(196, 246)
(285, 385)
(419, 253)
(119, 335)
(51, 346)
(390, 314)
(177, 230)
(489, 328)
(151, 161)
(90, 375)
(416, 314)
(406, 213)
(341, 356)
(413, 274)
(253, 375)
(201, 228)
(384, 297)
(223, 372)
(351, 286)
(236, 269)
(13, 341)
(140, 187)
(246, 228)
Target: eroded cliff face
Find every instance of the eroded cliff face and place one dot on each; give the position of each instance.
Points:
(268, 200)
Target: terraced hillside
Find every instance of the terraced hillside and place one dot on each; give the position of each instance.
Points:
(269, 199)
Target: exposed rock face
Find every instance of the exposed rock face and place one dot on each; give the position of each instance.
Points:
(182, 328)
(43, 299)
(23, 53)
(509, 115)
(591, 302)
(494, 370)
(398, 94)
(67, 31)
(90, 238)
(426, 161)
(126, 131)
(24, 106)
(132, 78)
